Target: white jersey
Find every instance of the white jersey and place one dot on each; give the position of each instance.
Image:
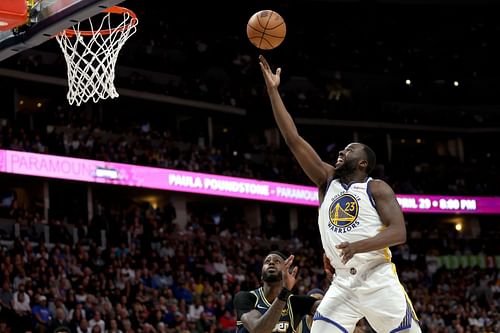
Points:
(348, 214)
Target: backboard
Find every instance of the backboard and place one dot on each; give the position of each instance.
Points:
(47, 18)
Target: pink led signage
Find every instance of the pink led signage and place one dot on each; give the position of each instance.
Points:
(49, 166)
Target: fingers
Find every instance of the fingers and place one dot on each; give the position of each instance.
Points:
(342, 245)
(288, 261)
(327, 266)
(263, 61)
(326, 262)
(295, 271)
(346, 256)
(325, 259)
(329, 275)
(264, 65)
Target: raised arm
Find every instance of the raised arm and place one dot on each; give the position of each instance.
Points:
(317, 170)
(251, 318)
(254, 322)
(391, 215)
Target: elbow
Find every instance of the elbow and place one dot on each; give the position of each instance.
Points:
(399, 233)
(292, 139)
(257, 330)
(401, 239)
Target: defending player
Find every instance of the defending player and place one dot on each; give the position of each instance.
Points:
(272, 307)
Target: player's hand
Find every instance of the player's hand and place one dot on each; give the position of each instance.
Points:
(348, 250)
(272, 80)
(327, 266)
(289, 275)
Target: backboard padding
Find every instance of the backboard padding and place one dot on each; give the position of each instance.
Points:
(49, 17)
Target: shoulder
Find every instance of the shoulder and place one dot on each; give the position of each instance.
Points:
(243, 297)
(379, 188)
(323, 187)
(244, 294)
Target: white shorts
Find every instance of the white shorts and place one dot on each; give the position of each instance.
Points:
(372, 291)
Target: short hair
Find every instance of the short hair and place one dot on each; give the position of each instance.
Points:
(371, 158)
(315, 291)
(278, 253)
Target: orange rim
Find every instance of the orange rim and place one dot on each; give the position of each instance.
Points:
(113, 10)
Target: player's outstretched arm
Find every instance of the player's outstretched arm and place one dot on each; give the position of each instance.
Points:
(391, 215)
(317, 170)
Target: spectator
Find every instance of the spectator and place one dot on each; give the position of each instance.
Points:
(97, 320)
(58, 303)
(227, 322)
(6, 299)
(59, 322)
(83, 327)
(96, 329)
(21, 306)
(78, 312)
(195, 310)
(41, 315)
(113, 327)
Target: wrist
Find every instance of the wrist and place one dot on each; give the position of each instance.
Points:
(355, 246)
(272, 90)
(284, 294)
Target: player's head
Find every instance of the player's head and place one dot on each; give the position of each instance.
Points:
(356, 156)
(273, 266)
(316, 293)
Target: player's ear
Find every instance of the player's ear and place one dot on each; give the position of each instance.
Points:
(363, 164)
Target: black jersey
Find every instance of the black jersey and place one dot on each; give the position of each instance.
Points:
(295, 309)
(304, 326)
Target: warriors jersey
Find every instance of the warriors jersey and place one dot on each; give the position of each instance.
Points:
(348, 214)
(292, 313)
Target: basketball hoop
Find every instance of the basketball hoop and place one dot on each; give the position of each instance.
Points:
(91, 51)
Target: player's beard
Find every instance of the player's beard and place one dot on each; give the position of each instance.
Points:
(268, 277)
(346, 169)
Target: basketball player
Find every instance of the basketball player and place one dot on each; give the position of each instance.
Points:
(359, 218)
(272, 307)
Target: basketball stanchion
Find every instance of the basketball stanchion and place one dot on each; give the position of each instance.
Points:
(91, 51)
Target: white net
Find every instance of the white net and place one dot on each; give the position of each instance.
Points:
(91, 56)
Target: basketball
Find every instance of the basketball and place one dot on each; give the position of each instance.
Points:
(266, 29)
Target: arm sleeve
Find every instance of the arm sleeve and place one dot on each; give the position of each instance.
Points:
(244, 302)
(302, 305)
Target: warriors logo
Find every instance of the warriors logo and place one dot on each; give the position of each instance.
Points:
(343, 211)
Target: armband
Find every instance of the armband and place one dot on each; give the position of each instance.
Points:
(284, 294)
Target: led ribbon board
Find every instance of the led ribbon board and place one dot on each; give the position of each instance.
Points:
(84, 170)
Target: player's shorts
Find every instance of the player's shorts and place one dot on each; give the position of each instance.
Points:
(372, 291)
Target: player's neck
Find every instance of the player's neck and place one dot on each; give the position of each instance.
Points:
(271, 290)
(355, 177)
